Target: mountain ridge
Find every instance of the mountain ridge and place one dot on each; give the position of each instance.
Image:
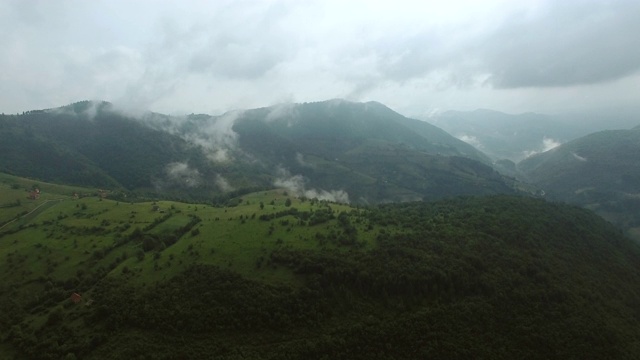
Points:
(599, 171)
(324, 146)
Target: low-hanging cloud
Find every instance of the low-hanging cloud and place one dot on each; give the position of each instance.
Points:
(218, 136)
(546, 145)
(578, 157)
(215, 135)
(296, 185)
(288, 111)
(223, 184)
(471, 140)
(181, 173)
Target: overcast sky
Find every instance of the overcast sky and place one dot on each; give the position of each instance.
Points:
(417, 57)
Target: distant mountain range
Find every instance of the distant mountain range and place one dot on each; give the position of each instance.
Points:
(515, 137)
(340, 150)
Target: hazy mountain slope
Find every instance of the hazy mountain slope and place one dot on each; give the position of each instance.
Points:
(606, 160)
(367, 150)
(600, 170)
(355, 122)
(364, 152)
(506, 136)
(88, 136)
(282, 277)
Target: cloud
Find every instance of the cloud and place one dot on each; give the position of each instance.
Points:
(210, 57)
(471, 140)
(549, 143)
(546, 145)
(578, 157)
(181, 173)
(214, 134)
(223, 184)
(219, 133)
(296, 185)
(288, 111)
(566, 43)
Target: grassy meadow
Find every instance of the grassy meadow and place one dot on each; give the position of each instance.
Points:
(60, 238)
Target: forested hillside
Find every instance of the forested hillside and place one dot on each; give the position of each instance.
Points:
(276, 276)
(351, 152)
(600, 171)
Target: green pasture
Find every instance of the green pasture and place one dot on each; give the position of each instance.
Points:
(74, 242)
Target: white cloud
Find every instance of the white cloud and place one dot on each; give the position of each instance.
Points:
(296, 185)
(546, 145)
(578, 157)
(223, 184)
(181, 173)
(549, 143)
(471, 140)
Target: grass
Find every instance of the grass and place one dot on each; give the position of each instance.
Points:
(73, 243)
(79, 241)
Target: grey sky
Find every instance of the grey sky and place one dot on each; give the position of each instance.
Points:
(414, 56)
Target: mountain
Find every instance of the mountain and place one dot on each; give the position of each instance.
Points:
(279, 276)
(600, 170)
(88, 144)
(361, 152)
(371, 152)
(517, 136)
(506, 136)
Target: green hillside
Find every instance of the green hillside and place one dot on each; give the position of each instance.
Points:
(272, 275)
(600, 171)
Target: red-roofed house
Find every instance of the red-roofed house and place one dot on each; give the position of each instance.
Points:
(76, 298)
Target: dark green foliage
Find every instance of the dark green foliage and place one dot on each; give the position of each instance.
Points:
(490, 278)
(600, 171)
(366, 150)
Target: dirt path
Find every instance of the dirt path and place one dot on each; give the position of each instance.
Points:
(35, 212)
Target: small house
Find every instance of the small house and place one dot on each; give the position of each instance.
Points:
(35, 194)
(76, 298)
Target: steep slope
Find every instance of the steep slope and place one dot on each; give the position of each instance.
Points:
(600, 170)
(282, 277)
